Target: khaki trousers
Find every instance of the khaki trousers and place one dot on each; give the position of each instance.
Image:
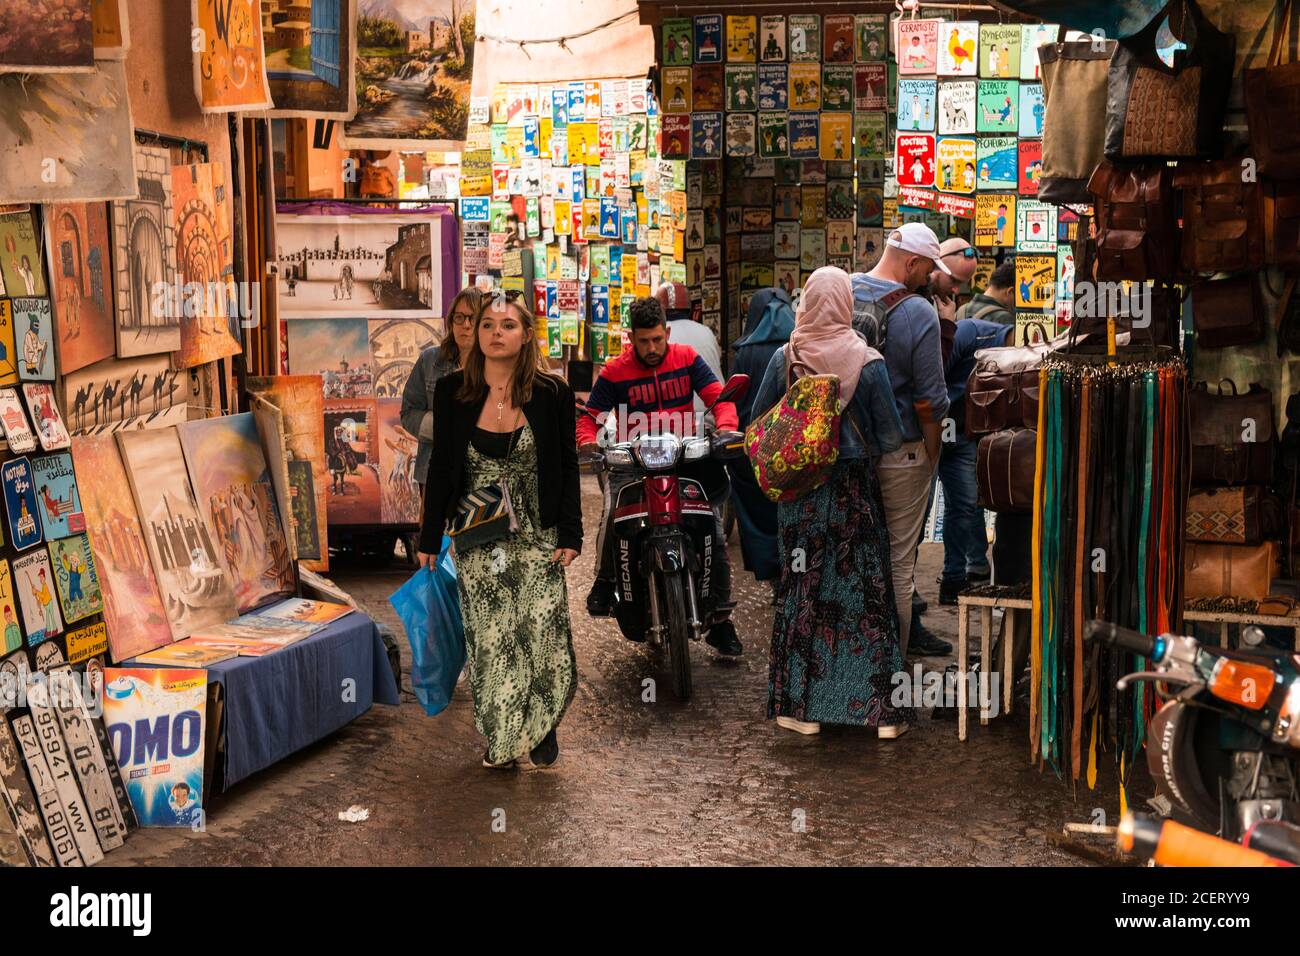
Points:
(905, 477)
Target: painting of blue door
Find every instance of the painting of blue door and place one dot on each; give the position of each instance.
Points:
(308, 44)
(325, 37)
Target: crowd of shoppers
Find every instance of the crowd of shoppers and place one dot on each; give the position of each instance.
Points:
(841, 558)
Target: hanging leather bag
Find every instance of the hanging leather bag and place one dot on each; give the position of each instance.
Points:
(1074, 118)
(1223, 217)
(1169, 111)
(1272, 95)
(1282, 218)
(1230, 570)
(1137, 225)
(1004, 470)
(1219, 424)
(1151, 314)
(1243, 515)
(1228, 312)
(1002, 391)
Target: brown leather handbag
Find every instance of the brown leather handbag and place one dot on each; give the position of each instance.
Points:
(1004, 470)
(1219, 424)
(1243, 515)
(1228, 312)
(1158, 110)
(1272, 95)
(1152, 315)
(1230, 570)
(1137, 228)
(1223, 217)
(1282, 218)
(1002, 391)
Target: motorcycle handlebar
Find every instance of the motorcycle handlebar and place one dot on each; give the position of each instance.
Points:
(1121, 637)
(1172, 844)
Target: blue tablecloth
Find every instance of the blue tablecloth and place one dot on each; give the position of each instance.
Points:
(280, 703)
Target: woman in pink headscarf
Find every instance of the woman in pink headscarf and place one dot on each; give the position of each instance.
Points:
(835, 634)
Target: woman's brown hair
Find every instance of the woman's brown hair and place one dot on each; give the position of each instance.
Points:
(529, 365)
(449, 349)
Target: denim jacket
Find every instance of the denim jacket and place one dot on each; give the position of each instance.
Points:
(417, 403)
(872, 409)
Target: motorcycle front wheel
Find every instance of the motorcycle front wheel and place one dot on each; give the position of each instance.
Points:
(679, 633)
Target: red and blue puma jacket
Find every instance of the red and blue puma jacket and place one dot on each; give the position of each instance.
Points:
(662, 397)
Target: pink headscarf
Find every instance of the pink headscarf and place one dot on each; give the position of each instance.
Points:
(823, 333)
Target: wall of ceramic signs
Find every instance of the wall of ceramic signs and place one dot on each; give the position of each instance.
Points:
(809, 136)
(566, 197)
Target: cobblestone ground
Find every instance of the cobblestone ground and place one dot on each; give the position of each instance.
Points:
(706, 782)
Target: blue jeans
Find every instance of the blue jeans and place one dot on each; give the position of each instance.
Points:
(965, 539)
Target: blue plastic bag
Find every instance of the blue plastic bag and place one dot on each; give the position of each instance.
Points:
(429, 606)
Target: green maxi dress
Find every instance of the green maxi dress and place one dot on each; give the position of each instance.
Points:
(515, 608)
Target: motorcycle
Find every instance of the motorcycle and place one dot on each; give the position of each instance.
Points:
(664, 537)
(1225, 746)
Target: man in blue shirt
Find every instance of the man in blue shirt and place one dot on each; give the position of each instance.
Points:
(914, 360)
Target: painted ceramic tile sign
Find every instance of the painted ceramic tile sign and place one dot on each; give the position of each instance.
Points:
(37, 597)
(1000, 50)
(772, 39)
(676, 34)
(957, 108)
(1031, 110)
(773, 134)
(45, 416)
(1032, 36)
(955, 169)
(996, 161)
(995, 220)
(18, 433)
(1035, 281)
(997, 107)
(869, 37)
(9, 610)
(836, 137)
(918, 46)
(805, 36)
(916, 105)
(773, 86)
(837, 86)
(804, 135)
(741, 88)
(958, 43)
(20, 253)
(837, 38)
(869, 81)
(74, 573)
(34, 338)
(56, 491)
(51, 37)
(914, 159)
(1029, 166)
(741, 40)
(229, 66)
(77, 245)
(870, 135)
(8, 357)
(1035, 226)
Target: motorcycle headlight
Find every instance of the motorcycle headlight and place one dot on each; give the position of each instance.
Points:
(659, 452)
(696, 448)
(618, 458)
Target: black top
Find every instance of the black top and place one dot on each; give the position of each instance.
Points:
(495, 444)
(551, 416)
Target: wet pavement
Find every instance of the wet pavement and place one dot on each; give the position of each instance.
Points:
(710, 781)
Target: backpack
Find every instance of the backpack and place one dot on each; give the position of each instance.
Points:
(871, 315)
(794, 445)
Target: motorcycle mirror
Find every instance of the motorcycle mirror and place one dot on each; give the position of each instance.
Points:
(735, 388)
(1252, 636)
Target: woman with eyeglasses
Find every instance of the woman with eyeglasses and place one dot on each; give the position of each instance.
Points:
(435, 362)
(503, 423)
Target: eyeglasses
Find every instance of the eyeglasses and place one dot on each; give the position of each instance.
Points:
(967, 253)
(462, 318)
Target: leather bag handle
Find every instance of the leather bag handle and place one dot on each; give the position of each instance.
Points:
(1231, 383)
(1280, 30)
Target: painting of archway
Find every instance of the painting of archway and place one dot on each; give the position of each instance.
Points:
(144, 260)
(205, 264)
(81, 283)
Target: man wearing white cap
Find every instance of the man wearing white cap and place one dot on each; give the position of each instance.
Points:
(914, 360)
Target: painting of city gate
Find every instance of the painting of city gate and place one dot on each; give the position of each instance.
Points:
(380, 266)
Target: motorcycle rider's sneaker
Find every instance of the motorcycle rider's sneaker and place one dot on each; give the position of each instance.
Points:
(799, 726)
(891, 731)
(545, 754)
(600, 600)
(722, 638)
(922, 642)
(949, 588)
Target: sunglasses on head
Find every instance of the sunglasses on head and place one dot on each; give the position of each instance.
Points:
(968, 253)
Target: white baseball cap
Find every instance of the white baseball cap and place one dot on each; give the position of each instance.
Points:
(920, 240)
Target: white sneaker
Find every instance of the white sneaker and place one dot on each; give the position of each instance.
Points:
(890, 731)
(799, 726)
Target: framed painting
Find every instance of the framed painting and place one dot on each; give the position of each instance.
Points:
(104, 397)
(413, 76)
(133, 608)
(144, 259)
(209, 320)
(81, 283)
(400, 495)
(352, 460)
(67, 137)
(195, 588)
(54, 37)
(238, 507)
(336, 350)
(309, 62)
(229, 66)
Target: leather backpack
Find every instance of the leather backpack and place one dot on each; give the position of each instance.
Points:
(1272, 96)
(1004, 470)
(1074, 119)
(1219, 425)
(1157, 110)
(1223, 217)
(1228, 312)
(1137, 228)
(1002, 391)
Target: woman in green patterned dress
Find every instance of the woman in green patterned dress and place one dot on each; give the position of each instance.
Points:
(504, 416)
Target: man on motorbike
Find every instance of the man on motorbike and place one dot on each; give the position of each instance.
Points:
(654, 384)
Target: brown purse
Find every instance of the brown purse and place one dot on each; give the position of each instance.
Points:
(1218, 424)
(1282, 218)
(1002, 391)
(1228, 312)
(1230, 515)
(1137, 229)
(1004, 470)
(1223, 217)
(1272, 95)
(1230, 570)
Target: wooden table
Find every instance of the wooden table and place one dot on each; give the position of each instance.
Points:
(986, 605)
(1225, 618)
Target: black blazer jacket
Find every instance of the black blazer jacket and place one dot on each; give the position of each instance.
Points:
(551, 415)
